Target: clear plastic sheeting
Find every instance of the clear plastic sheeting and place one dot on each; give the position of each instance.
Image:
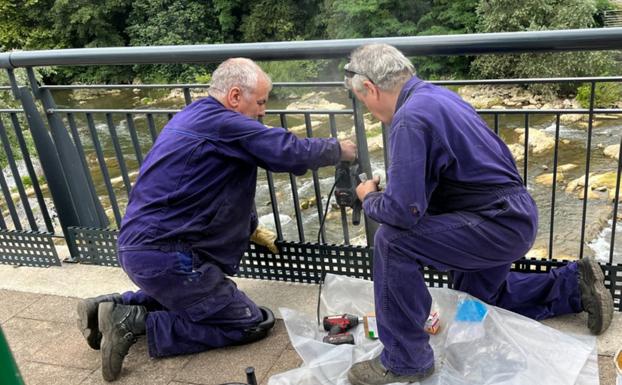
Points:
(481, 344)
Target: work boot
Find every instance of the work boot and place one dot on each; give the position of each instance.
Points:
(372, 372)
(120, 325)
(87, 317)
(595, 298)
(260, 330)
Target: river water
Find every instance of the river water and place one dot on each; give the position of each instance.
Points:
(568, 206)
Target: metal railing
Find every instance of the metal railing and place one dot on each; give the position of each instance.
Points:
(90, 156)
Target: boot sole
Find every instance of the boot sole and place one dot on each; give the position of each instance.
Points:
(106, 326)
(87, 323)
(603, 297)
(389, 378)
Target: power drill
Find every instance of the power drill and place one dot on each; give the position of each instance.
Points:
(336, 326)
(346, 180)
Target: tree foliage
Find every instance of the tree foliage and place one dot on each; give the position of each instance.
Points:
(447, 17)
(21, 25)
(537, 15)
(172, 22)
(373, 18)
(49, 24)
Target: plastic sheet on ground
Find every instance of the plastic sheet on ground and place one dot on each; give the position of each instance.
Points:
(504, 348)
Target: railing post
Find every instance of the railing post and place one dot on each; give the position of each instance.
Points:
(88, 208)
(363, 157)
(51, 165)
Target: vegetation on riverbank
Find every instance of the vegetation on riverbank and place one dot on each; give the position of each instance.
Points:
(49, 24)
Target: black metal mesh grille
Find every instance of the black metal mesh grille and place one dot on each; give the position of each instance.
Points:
(308, 263)
(95, 246)
(305, 262)
(28, 248)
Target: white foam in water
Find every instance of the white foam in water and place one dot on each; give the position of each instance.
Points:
(602, 243)
(504, 348)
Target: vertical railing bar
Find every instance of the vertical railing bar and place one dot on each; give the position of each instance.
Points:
(119, 153)
(274, 202)
(363, 154)
(344, 219)
(275, 206)
(294, 186)
(588, 155)
(496, 117)
(31, 171)
(526, 160)
(316, 182)
(9, 203)
(135, 142)
(187, 96)
(17, 178)
(2, 222)
(104, 169)
(344, 225)
(553, 190)
(152, 129)
(332, 124)
(615, 206)
(385, 145)
(169, 116)
(14, 85)
(73, 127)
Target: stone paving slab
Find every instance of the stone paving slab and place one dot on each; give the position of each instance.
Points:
(49, 349)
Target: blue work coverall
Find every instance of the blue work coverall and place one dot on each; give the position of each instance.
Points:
(189, 219)
(454, 200)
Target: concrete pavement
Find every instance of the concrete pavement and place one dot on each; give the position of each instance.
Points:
(37, 314)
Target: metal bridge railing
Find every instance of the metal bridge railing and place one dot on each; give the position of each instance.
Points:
(90, 156)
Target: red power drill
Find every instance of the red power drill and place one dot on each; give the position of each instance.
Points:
(336, 326)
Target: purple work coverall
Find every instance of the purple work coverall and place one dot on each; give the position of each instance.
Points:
(189, 219)
(454, 200)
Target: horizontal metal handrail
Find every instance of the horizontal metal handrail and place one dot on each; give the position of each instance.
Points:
(188, 85)
(600, 79)
(333, 112)
(173, 111)
(465, 44)
(561, 111)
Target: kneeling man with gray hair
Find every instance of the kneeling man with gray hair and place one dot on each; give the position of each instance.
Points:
(188, 222)
(455, 201)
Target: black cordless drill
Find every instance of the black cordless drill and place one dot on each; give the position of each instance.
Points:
(346, 180)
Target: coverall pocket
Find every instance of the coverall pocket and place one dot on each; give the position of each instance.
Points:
(147, 263)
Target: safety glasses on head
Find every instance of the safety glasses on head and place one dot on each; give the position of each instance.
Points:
(349, 74)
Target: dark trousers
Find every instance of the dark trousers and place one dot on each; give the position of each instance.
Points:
(192, 305)
(477, 250)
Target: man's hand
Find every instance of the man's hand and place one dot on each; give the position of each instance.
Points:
(366, 187)
(348, 150)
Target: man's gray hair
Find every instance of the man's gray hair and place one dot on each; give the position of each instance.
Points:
(236, 72)
(383, 64)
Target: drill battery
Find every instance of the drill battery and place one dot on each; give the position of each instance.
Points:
(339, 339)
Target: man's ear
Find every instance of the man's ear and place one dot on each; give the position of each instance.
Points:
(370, 88)
(234, 96)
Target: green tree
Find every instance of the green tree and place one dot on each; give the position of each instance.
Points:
(25, 25)
(172, 22)
(283, 20)
(447, 17)
(535, 15)
(84, 23)
(373, 18)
